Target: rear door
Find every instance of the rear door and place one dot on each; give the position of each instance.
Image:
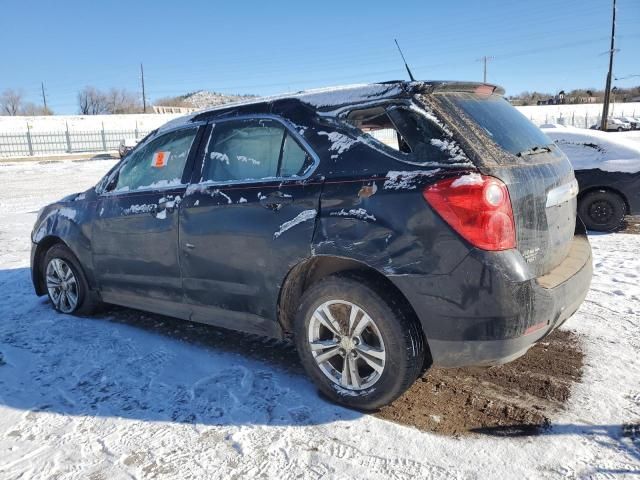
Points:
(248, 218)
(135, 234)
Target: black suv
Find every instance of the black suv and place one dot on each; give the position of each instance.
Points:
(385, 228)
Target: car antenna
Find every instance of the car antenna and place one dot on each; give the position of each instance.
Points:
(405, 61)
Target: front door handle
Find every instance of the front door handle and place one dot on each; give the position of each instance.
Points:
(276, 200)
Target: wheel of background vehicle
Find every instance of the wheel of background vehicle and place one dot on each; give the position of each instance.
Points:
(66, 283)
(361, 350)
(620, 129)
(602, 210)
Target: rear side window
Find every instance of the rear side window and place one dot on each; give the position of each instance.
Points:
(401, 129)
(157, 164)
(253, 149)
(294, 158)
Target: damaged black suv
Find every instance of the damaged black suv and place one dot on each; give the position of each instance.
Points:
(385, 228)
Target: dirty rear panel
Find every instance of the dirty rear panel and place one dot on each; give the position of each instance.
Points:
(540, 179)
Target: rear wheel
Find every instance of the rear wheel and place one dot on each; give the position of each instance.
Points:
(361, 350)
(66, 283)
(602, 210)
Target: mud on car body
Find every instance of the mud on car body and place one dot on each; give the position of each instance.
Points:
(386, 228)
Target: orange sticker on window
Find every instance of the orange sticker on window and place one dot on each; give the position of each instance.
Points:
(160, 159)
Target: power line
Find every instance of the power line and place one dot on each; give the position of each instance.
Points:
(484, 61)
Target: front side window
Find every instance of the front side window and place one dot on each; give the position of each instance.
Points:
(158, 164)
(254, 149)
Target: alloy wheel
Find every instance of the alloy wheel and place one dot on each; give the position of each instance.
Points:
(62, 285)
(346, 345)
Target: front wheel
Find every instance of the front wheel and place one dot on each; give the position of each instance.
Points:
(66, 283)
(362, 350)
(602, 210)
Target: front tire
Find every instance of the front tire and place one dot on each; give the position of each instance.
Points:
(360, 347)
(602, 210)
(66, 284)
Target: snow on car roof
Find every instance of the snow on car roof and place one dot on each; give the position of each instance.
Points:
(595, 149)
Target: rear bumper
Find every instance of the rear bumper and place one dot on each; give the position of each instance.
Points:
(487, 312)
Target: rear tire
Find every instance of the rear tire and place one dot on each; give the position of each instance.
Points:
(66, 283)
(371, 349)
(602, 210)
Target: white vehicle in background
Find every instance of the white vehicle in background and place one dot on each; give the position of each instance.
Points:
(634, 122)
(614, 125)
(126, 145)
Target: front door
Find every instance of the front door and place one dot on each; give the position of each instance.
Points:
(247, 219)
(135, 234)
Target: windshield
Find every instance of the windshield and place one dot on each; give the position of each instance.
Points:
(504, 124)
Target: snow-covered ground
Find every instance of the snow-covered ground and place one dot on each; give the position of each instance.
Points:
(116, 397)
(581, 115)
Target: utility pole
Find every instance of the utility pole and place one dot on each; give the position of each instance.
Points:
(44, 97)
(607, 91)
(484, 60)
(144, 98)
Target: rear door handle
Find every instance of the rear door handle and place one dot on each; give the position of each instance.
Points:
(276, 200)
(169, 205)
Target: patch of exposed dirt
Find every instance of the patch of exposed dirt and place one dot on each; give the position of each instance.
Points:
(521, 395)
(631, 225)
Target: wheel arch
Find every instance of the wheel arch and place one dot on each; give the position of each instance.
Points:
(313, 269)
(42, 248)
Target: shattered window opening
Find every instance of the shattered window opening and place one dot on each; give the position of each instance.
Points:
(405, 131)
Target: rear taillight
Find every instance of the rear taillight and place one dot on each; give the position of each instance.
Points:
(478, 207)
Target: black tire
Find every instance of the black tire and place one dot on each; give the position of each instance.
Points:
(602, 210)
(620, 129)
(88, 301)
(404, 343)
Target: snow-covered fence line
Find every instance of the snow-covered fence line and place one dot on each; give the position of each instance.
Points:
(581, 116)
(52, 135)
(30, 143)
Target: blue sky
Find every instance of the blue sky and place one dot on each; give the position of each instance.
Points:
(270, 47)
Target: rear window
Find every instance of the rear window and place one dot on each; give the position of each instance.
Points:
(503, 123)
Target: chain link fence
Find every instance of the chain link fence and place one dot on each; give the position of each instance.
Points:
(30, 143)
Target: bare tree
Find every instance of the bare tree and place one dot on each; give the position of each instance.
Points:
(31, 109)
(172, 102)
(11, 102)
(92, 101)
(122, 101)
